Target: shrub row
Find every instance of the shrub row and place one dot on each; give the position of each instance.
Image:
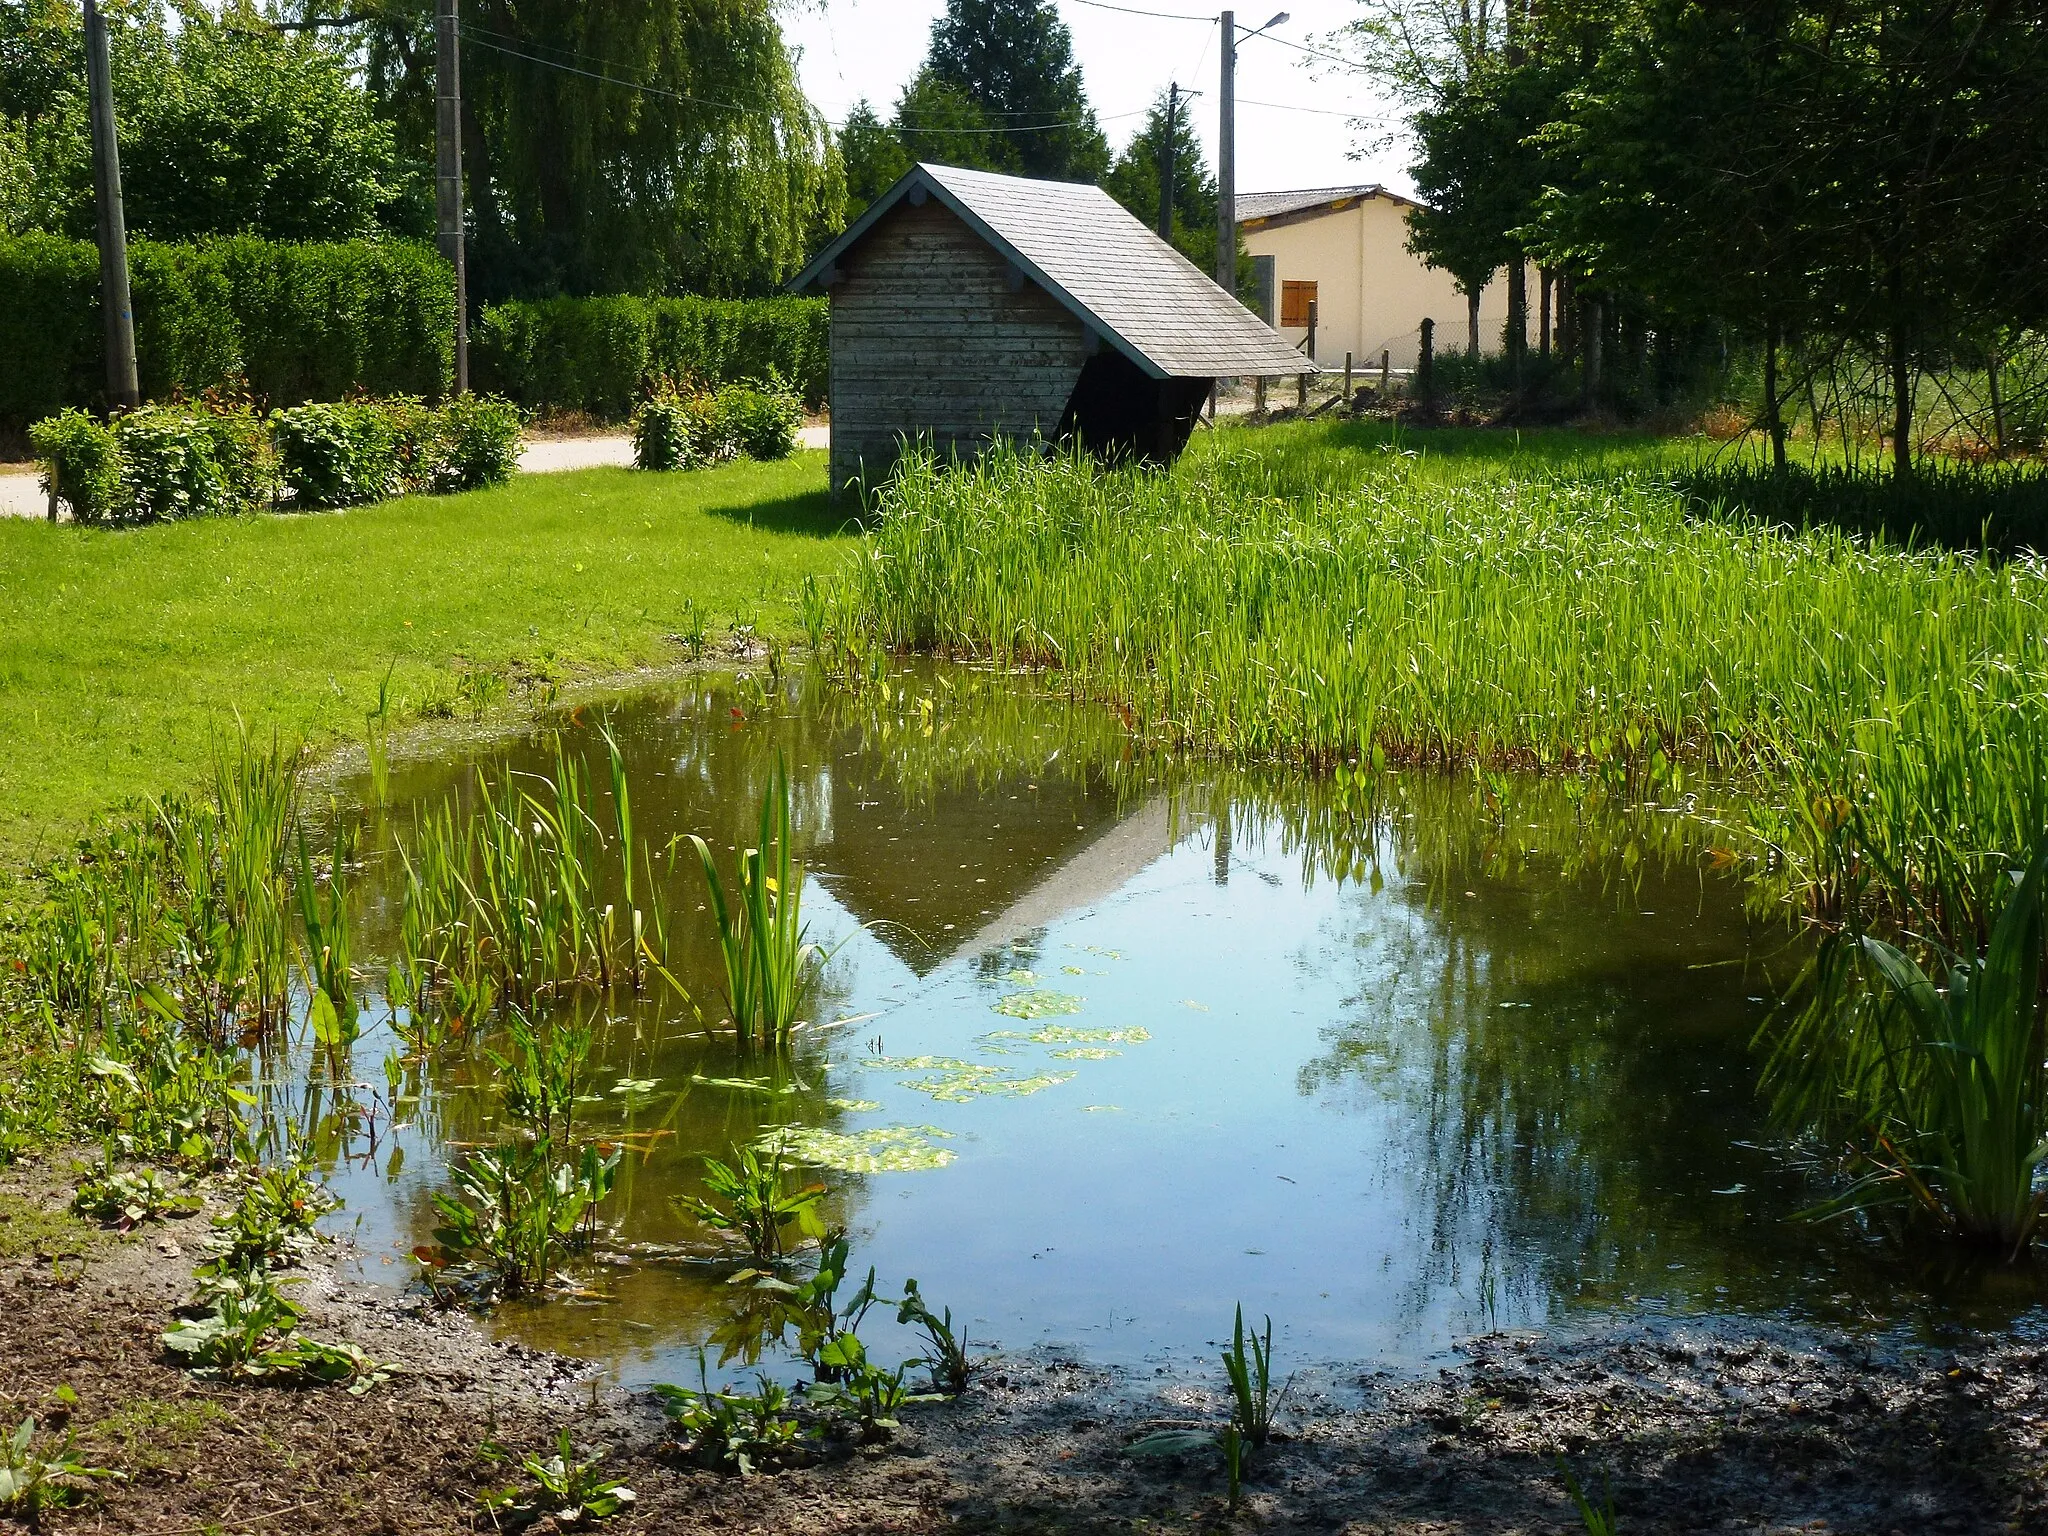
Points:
(285, 322)
(602, 355)
(165, 461)
(675, 430)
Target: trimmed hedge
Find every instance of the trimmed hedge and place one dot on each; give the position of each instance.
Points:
(285, 322)
(604, 355)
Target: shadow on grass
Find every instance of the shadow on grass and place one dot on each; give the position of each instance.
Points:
(811, 514)
(1999, 510)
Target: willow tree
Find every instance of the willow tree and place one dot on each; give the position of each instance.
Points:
(622, 145)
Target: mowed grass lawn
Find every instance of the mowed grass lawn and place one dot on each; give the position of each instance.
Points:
(124, 655)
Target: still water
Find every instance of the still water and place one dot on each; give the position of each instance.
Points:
(1127, 1046)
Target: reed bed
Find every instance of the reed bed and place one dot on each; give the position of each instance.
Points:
(1297, 596)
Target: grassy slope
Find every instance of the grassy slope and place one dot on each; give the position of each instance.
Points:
(121, 654)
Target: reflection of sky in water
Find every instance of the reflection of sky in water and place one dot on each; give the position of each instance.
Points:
(1461, 1090)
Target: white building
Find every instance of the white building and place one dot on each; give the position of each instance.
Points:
(1345, 249)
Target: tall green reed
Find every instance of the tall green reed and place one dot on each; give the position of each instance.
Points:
(771, 967)
(515, 899)
(1940, 1090)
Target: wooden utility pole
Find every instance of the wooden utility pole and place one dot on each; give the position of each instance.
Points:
(1226, 162)
(448, 174)
(1166, 166)
(124, 391)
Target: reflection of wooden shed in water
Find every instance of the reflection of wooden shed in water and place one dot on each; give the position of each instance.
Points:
(968, 307)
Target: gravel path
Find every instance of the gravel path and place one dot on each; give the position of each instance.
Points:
(21, 495)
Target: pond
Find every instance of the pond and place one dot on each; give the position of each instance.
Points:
(1106, 1047)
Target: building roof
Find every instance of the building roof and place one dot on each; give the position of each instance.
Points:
(1258, 207)
(1132, 289)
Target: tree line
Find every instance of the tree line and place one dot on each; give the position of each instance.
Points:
(611, 146)
(1852, 188)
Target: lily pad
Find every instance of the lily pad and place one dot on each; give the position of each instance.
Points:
(882, 1149)
(636, 1085)
(1019, 977)
(1038, 1003)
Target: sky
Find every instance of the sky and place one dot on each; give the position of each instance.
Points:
(1292, 127)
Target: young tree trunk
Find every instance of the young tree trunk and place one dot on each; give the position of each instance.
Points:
(1472, 321)
(1567, 319)
(1997, 402)
(1594, 324)
(1518, 317)
(1543, 282)
(1902, 407)
(1773, 417)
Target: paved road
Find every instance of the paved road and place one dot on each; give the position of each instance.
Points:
(22, 496)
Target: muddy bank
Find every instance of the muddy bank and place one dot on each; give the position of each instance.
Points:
(1692, 1429)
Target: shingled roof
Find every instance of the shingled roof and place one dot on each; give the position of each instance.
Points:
(1079, 244)
(1255, 207)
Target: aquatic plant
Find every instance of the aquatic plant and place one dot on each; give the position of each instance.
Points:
(516, 1212)
(752, 1201)
(770, 964)
(951, 1366)
(1597, 1519)
(730, 1428)
(559, 1488)
(1247, 1365)
(507, 902)
(36, 1477)
(126, 1198)
(271, 1224)
(323, 916)
(1941, 1090)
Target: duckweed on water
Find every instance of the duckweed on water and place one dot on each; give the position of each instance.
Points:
(1038, 1003)
(1067, 1034)
(883, 1149)
(952, 1081)
(1085, 1053)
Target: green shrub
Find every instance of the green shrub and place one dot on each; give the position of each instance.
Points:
(602, 355)
(290, 322)
(661, 434)
(77, 455)
(480, 437)
(173, 462)
(761, 420)
(340, 455)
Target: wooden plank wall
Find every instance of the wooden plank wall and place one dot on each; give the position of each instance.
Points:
(929, 340)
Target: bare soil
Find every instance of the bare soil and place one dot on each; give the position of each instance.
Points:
(1692, 1429)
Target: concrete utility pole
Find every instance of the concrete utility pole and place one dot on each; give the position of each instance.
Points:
(448, 174)
(124, 391)
(1166, 167)
(1226, 162)
(1226, 152)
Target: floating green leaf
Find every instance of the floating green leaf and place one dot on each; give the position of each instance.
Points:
(1068, 1034)
(882, 1149)
(1038, 1003)
(855, 1106)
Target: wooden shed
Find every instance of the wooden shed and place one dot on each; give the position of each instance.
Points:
(968, 307)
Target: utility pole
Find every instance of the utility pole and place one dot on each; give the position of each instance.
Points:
(448, 174)
(124, 391)
(1226, 152)
(1226, 162)
(1166, 167)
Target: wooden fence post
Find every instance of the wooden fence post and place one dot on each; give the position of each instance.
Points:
(1425, 365)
